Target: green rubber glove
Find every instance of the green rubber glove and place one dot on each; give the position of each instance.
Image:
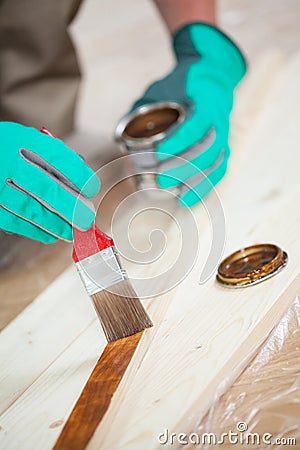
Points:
(209, 66)
(40, 179)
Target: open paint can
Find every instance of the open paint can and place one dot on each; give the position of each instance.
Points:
(140, 131)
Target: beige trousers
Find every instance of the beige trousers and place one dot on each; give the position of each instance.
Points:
(39, 71)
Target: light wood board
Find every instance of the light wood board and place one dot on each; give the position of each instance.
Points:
(49, 351)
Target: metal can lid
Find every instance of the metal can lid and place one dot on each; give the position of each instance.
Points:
(251, 265)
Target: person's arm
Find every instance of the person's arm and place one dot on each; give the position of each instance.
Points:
(177, 13)
(208, 66)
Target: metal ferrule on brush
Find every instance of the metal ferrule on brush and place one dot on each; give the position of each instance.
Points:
(100, 271)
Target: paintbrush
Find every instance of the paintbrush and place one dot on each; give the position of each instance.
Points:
(116, 303)
(120, 311)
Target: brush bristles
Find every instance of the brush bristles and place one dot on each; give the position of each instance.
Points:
(120, 312)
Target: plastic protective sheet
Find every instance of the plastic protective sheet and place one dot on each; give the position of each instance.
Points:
(261, 410)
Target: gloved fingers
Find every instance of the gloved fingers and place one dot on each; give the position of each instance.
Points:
(190, 153)
(183, 169)
(53, 156)
(197, 187)
(32, 211)
(11, 223)
(53, 196)
(72, 171)
(192, 131)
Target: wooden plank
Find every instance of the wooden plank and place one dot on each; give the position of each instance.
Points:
(41, 332)
(36, 418)
(97, 393)
(48, 402)
(202, 345)
(38, 397)
(111, 366)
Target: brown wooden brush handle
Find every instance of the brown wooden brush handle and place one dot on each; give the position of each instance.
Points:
(97, 394)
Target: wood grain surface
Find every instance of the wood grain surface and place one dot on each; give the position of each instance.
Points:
(97, 394)
(109, 370)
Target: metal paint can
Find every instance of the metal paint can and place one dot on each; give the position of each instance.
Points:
(142, 130)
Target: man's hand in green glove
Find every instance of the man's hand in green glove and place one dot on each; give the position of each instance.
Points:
(40, 179)
(209, 66)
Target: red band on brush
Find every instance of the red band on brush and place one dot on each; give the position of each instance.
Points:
(90, 242)
(45, 130)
